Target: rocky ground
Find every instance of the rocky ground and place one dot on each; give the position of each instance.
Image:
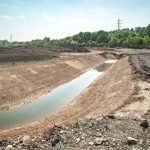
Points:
(107, 132)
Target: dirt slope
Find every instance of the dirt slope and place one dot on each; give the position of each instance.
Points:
(13, 54)
(22, 82)
(109, 92)
(140, 106)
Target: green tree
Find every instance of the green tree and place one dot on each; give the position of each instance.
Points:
(146, 40)
(102, 37)
(46, 40)
(114, 42)
(94, 36)
(136, 40)
(147, 31)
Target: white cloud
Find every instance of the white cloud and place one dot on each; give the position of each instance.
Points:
(6, 17)
(48, 17)
(21, 17)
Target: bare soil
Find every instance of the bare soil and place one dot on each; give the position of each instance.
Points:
(12, 54)
(122, 89)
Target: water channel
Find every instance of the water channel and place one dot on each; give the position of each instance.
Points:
(49, 103)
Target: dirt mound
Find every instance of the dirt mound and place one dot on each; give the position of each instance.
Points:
(56, 48)
(20, 54)
(71, 48)
(34, 53)
(113, 55)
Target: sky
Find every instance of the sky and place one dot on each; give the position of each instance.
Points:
(36, 19)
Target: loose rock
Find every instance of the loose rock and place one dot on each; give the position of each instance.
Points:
(131, 141)
(98, 141)
(55, 141)
(26, 138)
(111, 116)
(77, 140)
(90, 133)
(144, 124)
(91, 143)
(9, 147)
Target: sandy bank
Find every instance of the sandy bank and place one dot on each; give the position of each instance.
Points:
(22, 82)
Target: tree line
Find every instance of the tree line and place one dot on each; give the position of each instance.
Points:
(138, 37)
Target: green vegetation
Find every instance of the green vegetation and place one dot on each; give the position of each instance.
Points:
(136, 38)
(131, 38)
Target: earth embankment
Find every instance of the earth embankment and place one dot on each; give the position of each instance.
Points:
(24, 81)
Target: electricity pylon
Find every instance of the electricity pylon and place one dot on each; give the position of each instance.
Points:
(119, 22)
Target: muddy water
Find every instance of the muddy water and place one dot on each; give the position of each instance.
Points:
(49, 103)
(105, 65)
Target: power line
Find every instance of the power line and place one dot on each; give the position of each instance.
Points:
(119, 22)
